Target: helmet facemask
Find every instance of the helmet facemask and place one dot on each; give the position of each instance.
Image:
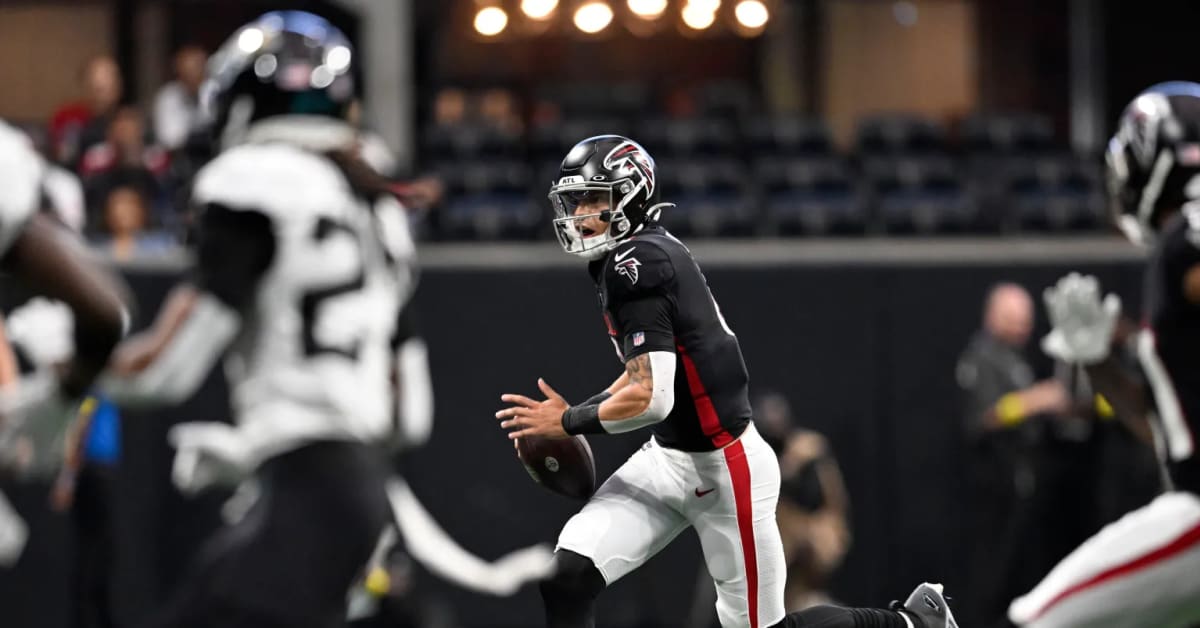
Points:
(569, 227)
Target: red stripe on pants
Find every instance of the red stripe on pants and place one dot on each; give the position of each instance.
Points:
(739, 473)
(1178, 546)
(710, 423)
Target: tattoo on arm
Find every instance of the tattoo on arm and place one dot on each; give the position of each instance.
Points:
(639, 371)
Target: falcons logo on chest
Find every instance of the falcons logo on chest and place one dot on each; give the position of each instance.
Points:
(626, 266)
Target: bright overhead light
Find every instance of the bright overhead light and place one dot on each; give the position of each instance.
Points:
(593, 17)
(338, 59)
(538, 9)
(751, 13)
(490, 21)
(697, 17)
(647, 9)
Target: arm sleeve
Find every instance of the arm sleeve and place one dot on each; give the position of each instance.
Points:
(234, 250)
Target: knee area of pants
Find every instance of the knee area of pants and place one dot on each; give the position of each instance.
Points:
(574, 575)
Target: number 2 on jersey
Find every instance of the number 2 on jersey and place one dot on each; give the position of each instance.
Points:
(311, 301)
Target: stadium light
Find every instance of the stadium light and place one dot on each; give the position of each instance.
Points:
(593, 17)
(647, 9)
(698, 17)
(710, 6)
(751, 14)
(490, 21)
(538, 9)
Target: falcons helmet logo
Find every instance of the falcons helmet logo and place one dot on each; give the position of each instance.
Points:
(628, 159)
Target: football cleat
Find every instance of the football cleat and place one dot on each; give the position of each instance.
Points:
(929, 605)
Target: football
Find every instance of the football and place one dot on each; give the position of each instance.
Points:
(565, 466)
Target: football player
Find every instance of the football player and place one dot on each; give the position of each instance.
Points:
(705, 466)
(53, 262)
(1141, 570)
(299, 280)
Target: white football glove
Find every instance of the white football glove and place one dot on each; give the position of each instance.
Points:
(1082, 324)
(207, 454)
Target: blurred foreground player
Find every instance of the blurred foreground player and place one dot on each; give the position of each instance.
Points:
(298, 281)
(706, 465)
(1144, 569)
(51, 261)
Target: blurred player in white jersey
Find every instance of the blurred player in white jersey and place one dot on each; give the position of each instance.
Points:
(49, 260)
(300, 277)
(1143, 570)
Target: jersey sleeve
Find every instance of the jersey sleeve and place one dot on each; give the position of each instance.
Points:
(639, 279)
(234, 249)
(21, 171)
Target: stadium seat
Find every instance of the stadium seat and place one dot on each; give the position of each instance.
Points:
(489, 201)
(1007, 133)
(1055, 193)
(786, 136)
(550, 142)
(811, 196)
(688, 138)
(899, 134)
(920, 195)
(712, 196)
(471, 140)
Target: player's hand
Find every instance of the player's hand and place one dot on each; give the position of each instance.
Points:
(1082, 324)
(534, 418)
(207, 454)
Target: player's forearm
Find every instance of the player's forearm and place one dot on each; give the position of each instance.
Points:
(629, 401)
(646, 398)
(620, 383)
(1125, 394)
(169, 363)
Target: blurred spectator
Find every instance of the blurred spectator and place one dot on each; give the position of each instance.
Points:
(125, 221)
(1002, 403)
(177, 106)
(813, 505)
(450, 107)
(498, 109)
(76, 126)
(125, 160)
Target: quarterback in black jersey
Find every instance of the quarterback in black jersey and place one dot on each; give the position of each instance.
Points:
(705, 465)
(1141, 570)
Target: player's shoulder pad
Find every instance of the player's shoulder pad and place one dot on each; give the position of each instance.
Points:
(278, 180)
(638, 266)
(21, 171)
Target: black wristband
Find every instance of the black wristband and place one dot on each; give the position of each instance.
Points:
(583, 419)
(597, 398)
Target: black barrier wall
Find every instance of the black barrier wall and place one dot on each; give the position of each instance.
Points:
(865, 353)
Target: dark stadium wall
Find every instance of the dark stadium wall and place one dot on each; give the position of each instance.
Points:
(865, 353)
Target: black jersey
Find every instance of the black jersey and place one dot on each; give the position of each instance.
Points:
(1169, 351)
(654, 298)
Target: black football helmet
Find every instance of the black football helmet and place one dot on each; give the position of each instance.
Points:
(1153, 160)
(283, 63)
(612, 166)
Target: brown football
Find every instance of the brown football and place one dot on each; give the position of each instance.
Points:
(565, 466)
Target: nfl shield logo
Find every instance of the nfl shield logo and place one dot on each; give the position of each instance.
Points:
(639, 339)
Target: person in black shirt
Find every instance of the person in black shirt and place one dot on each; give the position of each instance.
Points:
(1141, 570)
(705, 466)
